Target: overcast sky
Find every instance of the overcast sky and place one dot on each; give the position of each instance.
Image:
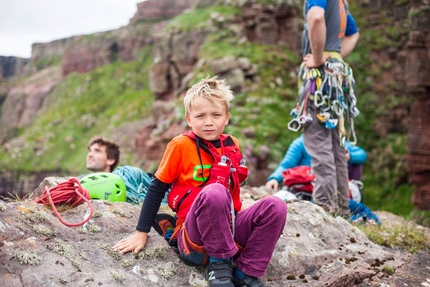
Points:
(24, 22)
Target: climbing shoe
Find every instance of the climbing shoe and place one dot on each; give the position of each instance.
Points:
(248, 281)
(165, 225)
(219, 274)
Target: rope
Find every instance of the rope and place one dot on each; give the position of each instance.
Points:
(69, 192)
(137, 182)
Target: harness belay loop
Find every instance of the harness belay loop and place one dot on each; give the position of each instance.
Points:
(329, 90)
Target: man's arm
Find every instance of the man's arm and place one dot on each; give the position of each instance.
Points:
(317, 37)
(351, 36)
(348, 44)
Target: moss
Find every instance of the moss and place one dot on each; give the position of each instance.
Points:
(159, 251)
(47, 231)
(127, 263)
(166, 270)
(119, 212)
(112, 253)
(118, 276)
(27, 257)
(60, 247)
(388, 269)
(97, 214)
(92, 228)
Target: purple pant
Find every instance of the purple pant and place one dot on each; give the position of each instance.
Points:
(355, 171)
(257, 229)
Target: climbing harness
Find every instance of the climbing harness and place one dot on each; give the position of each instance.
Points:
(69, 192)
(329, 90)
(228, 169)
(231, 173)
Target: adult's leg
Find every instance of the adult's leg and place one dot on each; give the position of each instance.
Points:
(342, 192)
(257, 229)
(318, 143)
(208, 222)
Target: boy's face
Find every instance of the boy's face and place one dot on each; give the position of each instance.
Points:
(97, 160)
(207, 120)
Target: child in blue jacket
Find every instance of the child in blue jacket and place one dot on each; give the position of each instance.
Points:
(297, 155)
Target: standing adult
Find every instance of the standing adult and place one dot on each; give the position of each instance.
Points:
(330, 34)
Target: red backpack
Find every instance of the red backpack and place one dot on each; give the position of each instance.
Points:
(299, 178)
(300, 181)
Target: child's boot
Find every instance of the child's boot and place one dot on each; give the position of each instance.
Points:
(219, 274)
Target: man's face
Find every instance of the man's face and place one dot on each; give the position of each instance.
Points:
(97, 160)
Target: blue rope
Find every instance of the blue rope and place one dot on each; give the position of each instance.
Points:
(136, 182)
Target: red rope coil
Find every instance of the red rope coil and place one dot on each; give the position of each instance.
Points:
(69, 192)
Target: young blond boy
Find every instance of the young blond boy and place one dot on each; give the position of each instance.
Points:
(204, 169)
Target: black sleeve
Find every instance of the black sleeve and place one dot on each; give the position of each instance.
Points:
(156, 192)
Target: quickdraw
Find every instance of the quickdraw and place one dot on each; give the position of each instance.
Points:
(330, 91)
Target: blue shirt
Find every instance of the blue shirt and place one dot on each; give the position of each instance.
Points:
(297, 155)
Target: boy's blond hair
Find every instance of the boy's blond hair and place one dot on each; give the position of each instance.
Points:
(212, 89)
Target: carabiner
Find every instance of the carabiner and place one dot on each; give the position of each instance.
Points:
(337, 108)
(318, 94)
(294, 125)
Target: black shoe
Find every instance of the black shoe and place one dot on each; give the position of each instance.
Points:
(248, 281)
(165, 224)
(219, 274)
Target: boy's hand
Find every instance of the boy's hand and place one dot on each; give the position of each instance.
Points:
(272, 184)
(134, 243)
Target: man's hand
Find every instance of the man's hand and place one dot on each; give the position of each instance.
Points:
(134, 243)
(272, 184)
(310, 62)
(348, 155)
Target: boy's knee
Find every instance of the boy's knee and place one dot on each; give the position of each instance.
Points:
(276, 206)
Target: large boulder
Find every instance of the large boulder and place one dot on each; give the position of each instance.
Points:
(315, 249)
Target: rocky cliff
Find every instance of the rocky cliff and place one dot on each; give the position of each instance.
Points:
(12, 66)
(396, 74)
(418, 87)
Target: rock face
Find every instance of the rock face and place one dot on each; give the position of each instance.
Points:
(12, 66)
(24, 101)
(160, 10)
(38, 250)
(418, 83)
(176, 57)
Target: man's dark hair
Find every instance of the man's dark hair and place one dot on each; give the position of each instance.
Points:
(112, 149)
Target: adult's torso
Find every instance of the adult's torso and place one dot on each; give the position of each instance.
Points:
(336, 12)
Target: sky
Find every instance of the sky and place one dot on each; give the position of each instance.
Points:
(24, 22)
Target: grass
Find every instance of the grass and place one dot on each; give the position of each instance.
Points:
(81, 106)
(198, 18)
(406, 235)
